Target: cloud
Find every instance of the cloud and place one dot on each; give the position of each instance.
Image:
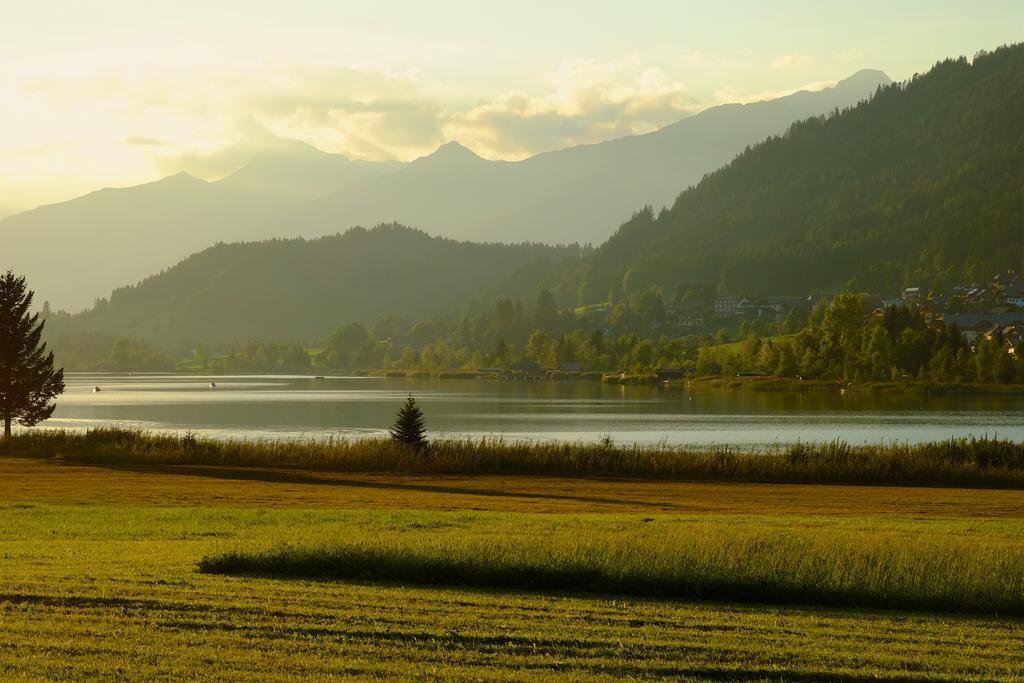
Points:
(374, 114)
(210, 164)
(143, 141)
(590, 101)
(730, 94)
(80, 130)
(797, 61)
(366, 114)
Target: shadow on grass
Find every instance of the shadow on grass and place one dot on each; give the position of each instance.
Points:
(489, 572)
(633, 660)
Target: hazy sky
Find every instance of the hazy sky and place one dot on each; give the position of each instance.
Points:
(117, 92)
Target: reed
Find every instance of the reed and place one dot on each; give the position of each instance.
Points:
(972, 463)
(929, 569)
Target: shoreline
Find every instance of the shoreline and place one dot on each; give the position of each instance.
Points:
(696, 383)
(959, 463)
(719, 382)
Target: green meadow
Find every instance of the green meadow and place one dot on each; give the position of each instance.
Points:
(971, 567)
(115, 591)
(125, 555)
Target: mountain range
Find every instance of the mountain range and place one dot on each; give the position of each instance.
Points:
(923, 184)
(581, 194)
(78, 251)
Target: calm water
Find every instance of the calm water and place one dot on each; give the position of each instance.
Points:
(279, 407)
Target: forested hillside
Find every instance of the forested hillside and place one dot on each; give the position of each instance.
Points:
(291, 289)
(922, 185)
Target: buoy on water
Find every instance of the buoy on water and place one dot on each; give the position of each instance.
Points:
(213, 385)
(96, 390)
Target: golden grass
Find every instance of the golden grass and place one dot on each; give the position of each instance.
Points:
(61, 482)
(98, 592)
(98, 578)
(966, 462)
(937, 566)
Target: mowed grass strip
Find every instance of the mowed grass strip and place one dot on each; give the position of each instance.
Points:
(218, 628)
(933, 569)
(956, 463)
(28, 482)
(111, 592)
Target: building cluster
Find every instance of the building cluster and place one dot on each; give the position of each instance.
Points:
(696, 318)
(993, 310)
(748, 307)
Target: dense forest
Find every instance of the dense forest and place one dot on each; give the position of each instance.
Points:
(838, 340)
(295, 289)
(895, 343)
(923, 184)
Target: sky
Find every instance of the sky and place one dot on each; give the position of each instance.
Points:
(97, 93)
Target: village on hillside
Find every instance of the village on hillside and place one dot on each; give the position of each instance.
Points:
(993, 310)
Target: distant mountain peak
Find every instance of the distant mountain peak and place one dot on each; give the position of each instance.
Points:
(179, 180)
(453, 151)
(865, 77)
(299, 148)
(454, 147)
(183, 178)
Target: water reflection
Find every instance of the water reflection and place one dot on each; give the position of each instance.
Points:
(288, 407)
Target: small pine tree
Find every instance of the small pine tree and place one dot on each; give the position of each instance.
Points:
(409, 425)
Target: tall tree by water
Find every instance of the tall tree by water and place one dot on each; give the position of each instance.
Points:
(28, 380)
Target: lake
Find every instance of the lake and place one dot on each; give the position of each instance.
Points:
(301, 407)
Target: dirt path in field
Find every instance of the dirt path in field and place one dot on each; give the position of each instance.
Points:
(33, 481)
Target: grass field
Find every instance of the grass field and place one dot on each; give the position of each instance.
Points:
(98, 579)
(907, 564)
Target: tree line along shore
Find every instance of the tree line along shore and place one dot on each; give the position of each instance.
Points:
(842, 344)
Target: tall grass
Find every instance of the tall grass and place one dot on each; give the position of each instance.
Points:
(850, 567)
(957, 462)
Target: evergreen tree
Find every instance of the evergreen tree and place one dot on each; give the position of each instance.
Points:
(409, 427)
(28, 381)
(501, 352)
(545, 315)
